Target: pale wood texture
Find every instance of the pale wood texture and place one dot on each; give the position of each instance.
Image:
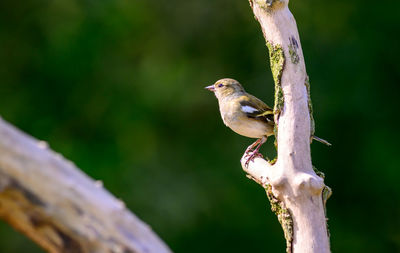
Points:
(292, 178)
(50, 200)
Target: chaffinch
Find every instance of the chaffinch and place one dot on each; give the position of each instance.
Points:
(245, 114)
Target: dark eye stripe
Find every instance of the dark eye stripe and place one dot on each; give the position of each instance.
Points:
(220, 85)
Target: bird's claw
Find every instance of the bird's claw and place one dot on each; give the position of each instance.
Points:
(252, 150)
(251, 156)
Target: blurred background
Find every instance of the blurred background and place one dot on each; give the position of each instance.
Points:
(117, 87)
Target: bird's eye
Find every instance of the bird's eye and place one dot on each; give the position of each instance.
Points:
(220, 85)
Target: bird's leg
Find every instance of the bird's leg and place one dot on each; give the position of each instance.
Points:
(256, 144)
(254, 152)
(251, 147)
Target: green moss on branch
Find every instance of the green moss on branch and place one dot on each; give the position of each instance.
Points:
(277, 63)
(310, 108)
(284, 217)
(269, 4)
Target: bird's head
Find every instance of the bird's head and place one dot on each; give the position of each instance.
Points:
(225, 87)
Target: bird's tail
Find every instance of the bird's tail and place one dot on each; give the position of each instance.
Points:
(321, 140)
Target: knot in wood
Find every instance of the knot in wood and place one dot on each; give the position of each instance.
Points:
(304, 183)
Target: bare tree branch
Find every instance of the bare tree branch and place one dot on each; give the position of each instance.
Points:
(50, 200)
(295, 191)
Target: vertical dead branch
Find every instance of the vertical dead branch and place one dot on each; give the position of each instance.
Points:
(294, 189)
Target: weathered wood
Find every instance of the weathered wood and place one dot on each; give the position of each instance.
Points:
(292, 186)
(50, 200)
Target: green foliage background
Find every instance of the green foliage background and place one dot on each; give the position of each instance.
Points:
(117, 87)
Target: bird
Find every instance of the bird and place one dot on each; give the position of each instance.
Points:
(245, 114)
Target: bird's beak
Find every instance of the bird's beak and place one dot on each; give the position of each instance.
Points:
(210, 88)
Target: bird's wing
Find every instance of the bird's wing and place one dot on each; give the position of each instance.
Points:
(256, 109)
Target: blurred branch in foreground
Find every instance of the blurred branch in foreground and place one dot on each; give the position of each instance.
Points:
(50, 200)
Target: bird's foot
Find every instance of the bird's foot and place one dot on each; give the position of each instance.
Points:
(252, 150)
(251, 156)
